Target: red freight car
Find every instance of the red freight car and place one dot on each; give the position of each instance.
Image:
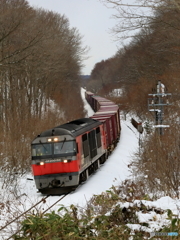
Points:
(107, 112)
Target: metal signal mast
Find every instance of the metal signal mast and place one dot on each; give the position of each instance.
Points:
(156, 103)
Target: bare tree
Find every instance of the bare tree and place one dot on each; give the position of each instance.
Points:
(133, 16)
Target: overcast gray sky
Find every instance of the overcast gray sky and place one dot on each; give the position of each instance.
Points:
(93, 20)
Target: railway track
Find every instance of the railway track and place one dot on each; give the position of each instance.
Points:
(5, 233)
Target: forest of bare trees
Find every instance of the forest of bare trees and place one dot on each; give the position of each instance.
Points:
(152, 54)
(40, 61)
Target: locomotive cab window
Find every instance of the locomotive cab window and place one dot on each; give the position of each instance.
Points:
(64, 147)
(42, 149)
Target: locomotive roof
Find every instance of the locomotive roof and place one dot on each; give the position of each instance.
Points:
(73, 128)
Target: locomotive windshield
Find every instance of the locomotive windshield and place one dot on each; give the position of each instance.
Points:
(53, 149)
(64, 147)
(42, 149)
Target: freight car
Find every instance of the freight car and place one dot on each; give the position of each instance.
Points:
(64, 156)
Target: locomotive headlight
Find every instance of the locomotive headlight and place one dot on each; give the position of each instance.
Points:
(67, 160)
(53, 139)
(41, 163)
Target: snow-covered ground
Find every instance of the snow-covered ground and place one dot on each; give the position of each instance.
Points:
(113, 172)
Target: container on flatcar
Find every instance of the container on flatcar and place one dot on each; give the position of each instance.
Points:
(115, 120)
(88, 96)
(112, 118)
(96, 102)
(109, 103)
(114, 110)
(104, 103)
(108, 128)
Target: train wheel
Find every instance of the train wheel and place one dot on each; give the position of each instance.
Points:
(96, 165)
(87, 173)
(103, 159)
(84, 176)
(91, 169)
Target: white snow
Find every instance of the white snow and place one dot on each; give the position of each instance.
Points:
(161, 126)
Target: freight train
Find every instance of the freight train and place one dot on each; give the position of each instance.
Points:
(64, 156)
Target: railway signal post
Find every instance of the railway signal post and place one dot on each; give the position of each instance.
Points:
(156, 103)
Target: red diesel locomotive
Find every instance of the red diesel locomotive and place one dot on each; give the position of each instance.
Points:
(64, 156)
